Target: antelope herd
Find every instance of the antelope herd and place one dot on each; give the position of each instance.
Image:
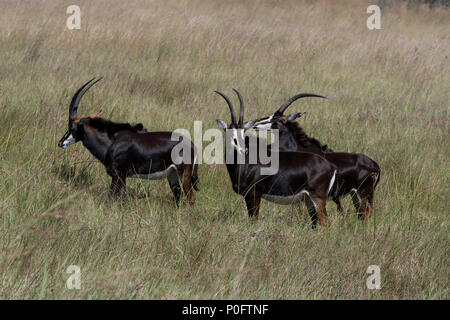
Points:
(307, 170)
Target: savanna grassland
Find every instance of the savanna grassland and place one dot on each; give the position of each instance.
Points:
(388, 96)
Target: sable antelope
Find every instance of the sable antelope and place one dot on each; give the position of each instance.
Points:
(301, 176)
(357, 173)
(130, 151)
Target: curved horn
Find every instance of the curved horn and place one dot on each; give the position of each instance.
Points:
(241, 108)
(296, 97)
(77, 98)
(230, 105)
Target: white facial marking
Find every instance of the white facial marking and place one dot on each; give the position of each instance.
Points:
(263, 127)
(264, 124)
(70, 140)
(235, 140)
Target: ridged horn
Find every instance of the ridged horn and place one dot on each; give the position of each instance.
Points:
(241, 108)
(285, 105)
(230, 105)
(77, 98)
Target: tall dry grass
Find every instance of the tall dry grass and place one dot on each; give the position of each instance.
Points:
(388, 98)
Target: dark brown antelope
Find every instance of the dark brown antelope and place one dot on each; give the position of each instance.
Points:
(301, 176)
(130, 151)
(358, 174)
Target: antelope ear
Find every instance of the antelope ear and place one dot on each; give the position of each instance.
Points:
(222, 125)
(294, 116)
(249, 124)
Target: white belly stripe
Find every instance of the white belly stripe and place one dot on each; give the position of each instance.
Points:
(157, 175)
(295, 198)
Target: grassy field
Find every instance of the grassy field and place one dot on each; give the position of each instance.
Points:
(388, 95)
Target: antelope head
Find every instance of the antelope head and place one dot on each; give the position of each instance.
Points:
(271, 122)
(75, 130)
(237, 128)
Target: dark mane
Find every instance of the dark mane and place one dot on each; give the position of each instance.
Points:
(302, 137)
(111, 128)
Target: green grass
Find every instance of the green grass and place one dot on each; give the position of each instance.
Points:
(388, 98)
